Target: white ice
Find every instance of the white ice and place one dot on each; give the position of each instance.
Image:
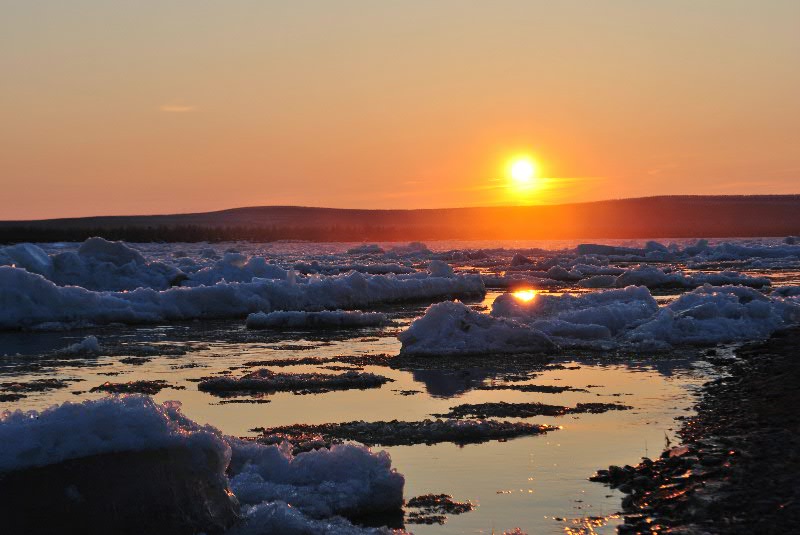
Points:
(328, 318)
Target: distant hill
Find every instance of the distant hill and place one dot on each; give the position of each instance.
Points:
(648, 217)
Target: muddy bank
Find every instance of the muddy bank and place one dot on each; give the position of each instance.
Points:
(737, 469)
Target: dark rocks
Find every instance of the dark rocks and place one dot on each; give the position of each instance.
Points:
(543, 389)
(737, 471)
(16, 390)
(265, 380)
(394, 433)
(135, 387)
(525, 410)
(434, 508)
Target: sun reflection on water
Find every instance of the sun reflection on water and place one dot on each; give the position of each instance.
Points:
(525, 295)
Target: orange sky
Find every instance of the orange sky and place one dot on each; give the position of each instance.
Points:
(160, 107)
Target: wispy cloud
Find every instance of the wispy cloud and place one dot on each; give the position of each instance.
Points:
(177, 108)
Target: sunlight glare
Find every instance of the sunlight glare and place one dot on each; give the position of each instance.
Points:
(525, 295)
(522, 170)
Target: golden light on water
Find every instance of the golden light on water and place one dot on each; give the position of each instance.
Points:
(525, 295)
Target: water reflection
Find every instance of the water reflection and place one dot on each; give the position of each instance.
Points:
(548, 473)
(447, 384)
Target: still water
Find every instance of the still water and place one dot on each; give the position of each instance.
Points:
(537, 483)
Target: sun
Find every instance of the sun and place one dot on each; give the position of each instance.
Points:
(522, 171)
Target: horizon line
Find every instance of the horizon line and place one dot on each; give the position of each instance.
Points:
(477, 207)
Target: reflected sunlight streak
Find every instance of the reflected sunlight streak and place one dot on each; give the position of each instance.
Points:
(525, 295)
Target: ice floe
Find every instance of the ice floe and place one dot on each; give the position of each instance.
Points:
(452, 327)
(281, 319)
(655, 277)
(347, 479)
(280, 517)
(321, 485)
(236, 267)
(28, 299)
(98, 264)
(579, 320)
(628, 317)
(88, 346)
(366, 248)
(75, 430)
(714, 314)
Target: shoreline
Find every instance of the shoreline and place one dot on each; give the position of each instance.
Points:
(736, 469)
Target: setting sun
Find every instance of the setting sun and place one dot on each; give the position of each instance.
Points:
(522, 170)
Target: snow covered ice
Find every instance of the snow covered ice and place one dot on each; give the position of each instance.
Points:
(29, 299)
(321, 484)
(452, 327)
(329, 318)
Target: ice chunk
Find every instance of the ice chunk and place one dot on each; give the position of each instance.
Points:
(87, 346)
(437, 268)
(650, 276)
(333, 318)
(98, 265)
(414, 248)
(334, 269)
(519, 260)
(365, 248)
(599, 281)
(614, 309)
(75, 430)
(27, 299)
(452, 327)
(787, 291)
(27, 256)
(655, 277)
(280, 517)
(113, 252)
(589, 320)
(738, 251)
(345, 480)
(607, 250)
(561, 274)
(236, 267)
(714, 314)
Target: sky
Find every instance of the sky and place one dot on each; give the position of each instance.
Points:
(142, 107)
